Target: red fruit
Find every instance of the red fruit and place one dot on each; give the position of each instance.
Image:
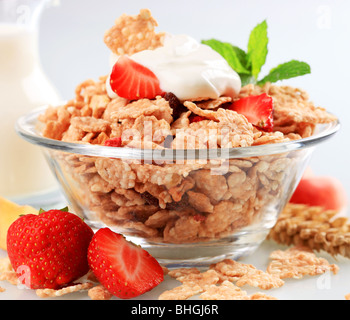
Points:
(257, 109)
(126, 270)
(199, 217)
(196, 119)
(113, 142)
(133, 81)
(320, 191)
(49, 250)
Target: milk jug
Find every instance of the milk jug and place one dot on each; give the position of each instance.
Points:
(23, 86)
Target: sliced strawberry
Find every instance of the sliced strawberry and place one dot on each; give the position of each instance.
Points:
(113, 142)
(133, 81)
(257, 109)
(196, 119)
(199, 217)
(126, 270)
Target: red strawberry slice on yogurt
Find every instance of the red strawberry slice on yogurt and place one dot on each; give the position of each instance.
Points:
(133, 81)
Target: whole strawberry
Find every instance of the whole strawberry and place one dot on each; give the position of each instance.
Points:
(49, 250)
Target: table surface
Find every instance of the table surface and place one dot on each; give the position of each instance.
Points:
(323, 287)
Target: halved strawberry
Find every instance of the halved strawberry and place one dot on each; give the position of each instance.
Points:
(257, 109)
(124, 269)
(133, 81)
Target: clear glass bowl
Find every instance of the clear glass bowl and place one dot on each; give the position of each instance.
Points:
(185, 207)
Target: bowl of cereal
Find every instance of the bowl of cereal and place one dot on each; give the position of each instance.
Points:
(191, 173)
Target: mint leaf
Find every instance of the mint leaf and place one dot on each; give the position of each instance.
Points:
(241, 54)
(234, 56)
(248, 64)
(286, 70)
(257, 48)
(246, 79)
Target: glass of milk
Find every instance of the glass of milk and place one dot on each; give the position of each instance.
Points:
(24, 174)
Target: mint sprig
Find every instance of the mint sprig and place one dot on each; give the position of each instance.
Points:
(257, 49)
(248, 63)
(234, 56)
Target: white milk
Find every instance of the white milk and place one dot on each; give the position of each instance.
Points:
(23, 86)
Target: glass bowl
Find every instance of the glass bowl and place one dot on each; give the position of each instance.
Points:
(185, 207)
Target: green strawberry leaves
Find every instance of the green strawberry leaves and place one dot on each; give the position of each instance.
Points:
(65, 209)
(248, 64)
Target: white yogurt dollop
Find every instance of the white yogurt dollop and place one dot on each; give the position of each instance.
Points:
(189, 69)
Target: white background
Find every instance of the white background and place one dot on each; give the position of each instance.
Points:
(315, 31)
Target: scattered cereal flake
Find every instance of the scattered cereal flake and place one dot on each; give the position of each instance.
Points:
(347, 296)
(202, 279)
(2, 289)
(260, 279)
(5, 265)
(49, 293)
(10, 276)
(180, 272)
(132, 34)
(182, 292)
(226, 291)
(232, 270)
(261, 296)
(99, 292)
(297, 262)
(193, 282)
